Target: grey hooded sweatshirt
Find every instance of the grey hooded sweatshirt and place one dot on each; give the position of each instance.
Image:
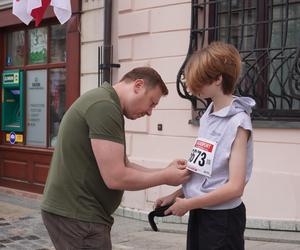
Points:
(221, 127)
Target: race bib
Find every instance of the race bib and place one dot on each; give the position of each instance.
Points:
(202, 157)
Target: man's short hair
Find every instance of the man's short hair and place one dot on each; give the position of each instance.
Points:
(151, 77)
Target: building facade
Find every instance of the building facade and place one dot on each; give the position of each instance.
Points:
(162, 34)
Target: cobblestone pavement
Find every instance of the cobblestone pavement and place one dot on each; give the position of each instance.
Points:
(21, 228)
(17, 234)
(20, 224)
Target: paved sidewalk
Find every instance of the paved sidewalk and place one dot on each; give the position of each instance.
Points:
(21, 228)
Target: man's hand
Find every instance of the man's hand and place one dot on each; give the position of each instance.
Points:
(176, 173)
(180, 163)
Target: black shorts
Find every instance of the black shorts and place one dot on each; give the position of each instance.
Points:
(217, 229)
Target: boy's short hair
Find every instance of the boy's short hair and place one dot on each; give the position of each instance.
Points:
(207, 64)
(151, 77)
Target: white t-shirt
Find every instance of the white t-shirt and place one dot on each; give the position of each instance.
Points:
(221, 127)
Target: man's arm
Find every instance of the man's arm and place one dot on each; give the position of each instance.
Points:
(139, 167)
(110, 160)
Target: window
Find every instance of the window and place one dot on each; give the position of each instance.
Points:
(15, 48)
(267, 35)
(41, 55)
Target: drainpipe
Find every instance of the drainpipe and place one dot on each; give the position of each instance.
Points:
(107, 47)
(105, 52)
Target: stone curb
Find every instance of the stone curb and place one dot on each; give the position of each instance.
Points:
(252, 223)
(21, 193)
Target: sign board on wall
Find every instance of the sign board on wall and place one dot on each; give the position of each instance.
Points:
(38, 46)
(36, 108)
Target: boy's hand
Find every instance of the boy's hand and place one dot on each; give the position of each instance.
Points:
(179, 208)
(164, 200)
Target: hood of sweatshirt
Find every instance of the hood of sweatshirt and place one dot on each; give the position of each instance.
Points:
(239, 104)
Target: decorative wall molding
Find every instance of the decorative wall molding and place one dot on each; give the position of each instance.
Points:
(5, 4)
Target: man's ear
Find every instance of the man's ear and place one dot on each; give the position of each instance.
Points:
(138, 85)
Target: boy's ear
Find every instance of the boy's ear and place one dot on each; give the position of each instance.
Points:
(219, 80)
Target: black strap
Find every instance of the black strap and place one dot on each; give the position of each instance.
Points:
(159, 212)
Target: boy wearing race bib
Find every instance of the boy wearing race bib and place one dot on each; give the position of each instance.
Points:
(221, 157)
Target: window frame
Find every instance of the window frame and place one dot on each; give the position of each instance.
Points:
(72, 64)
(200, 35)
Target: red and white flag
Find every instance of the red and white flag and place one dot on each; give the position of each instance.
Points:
(38, 10)
(20, 10)
(26, 10)
(62, 10)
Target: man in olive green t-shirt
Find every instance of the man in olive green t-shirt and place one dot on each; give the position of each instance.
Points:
(89, 168)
